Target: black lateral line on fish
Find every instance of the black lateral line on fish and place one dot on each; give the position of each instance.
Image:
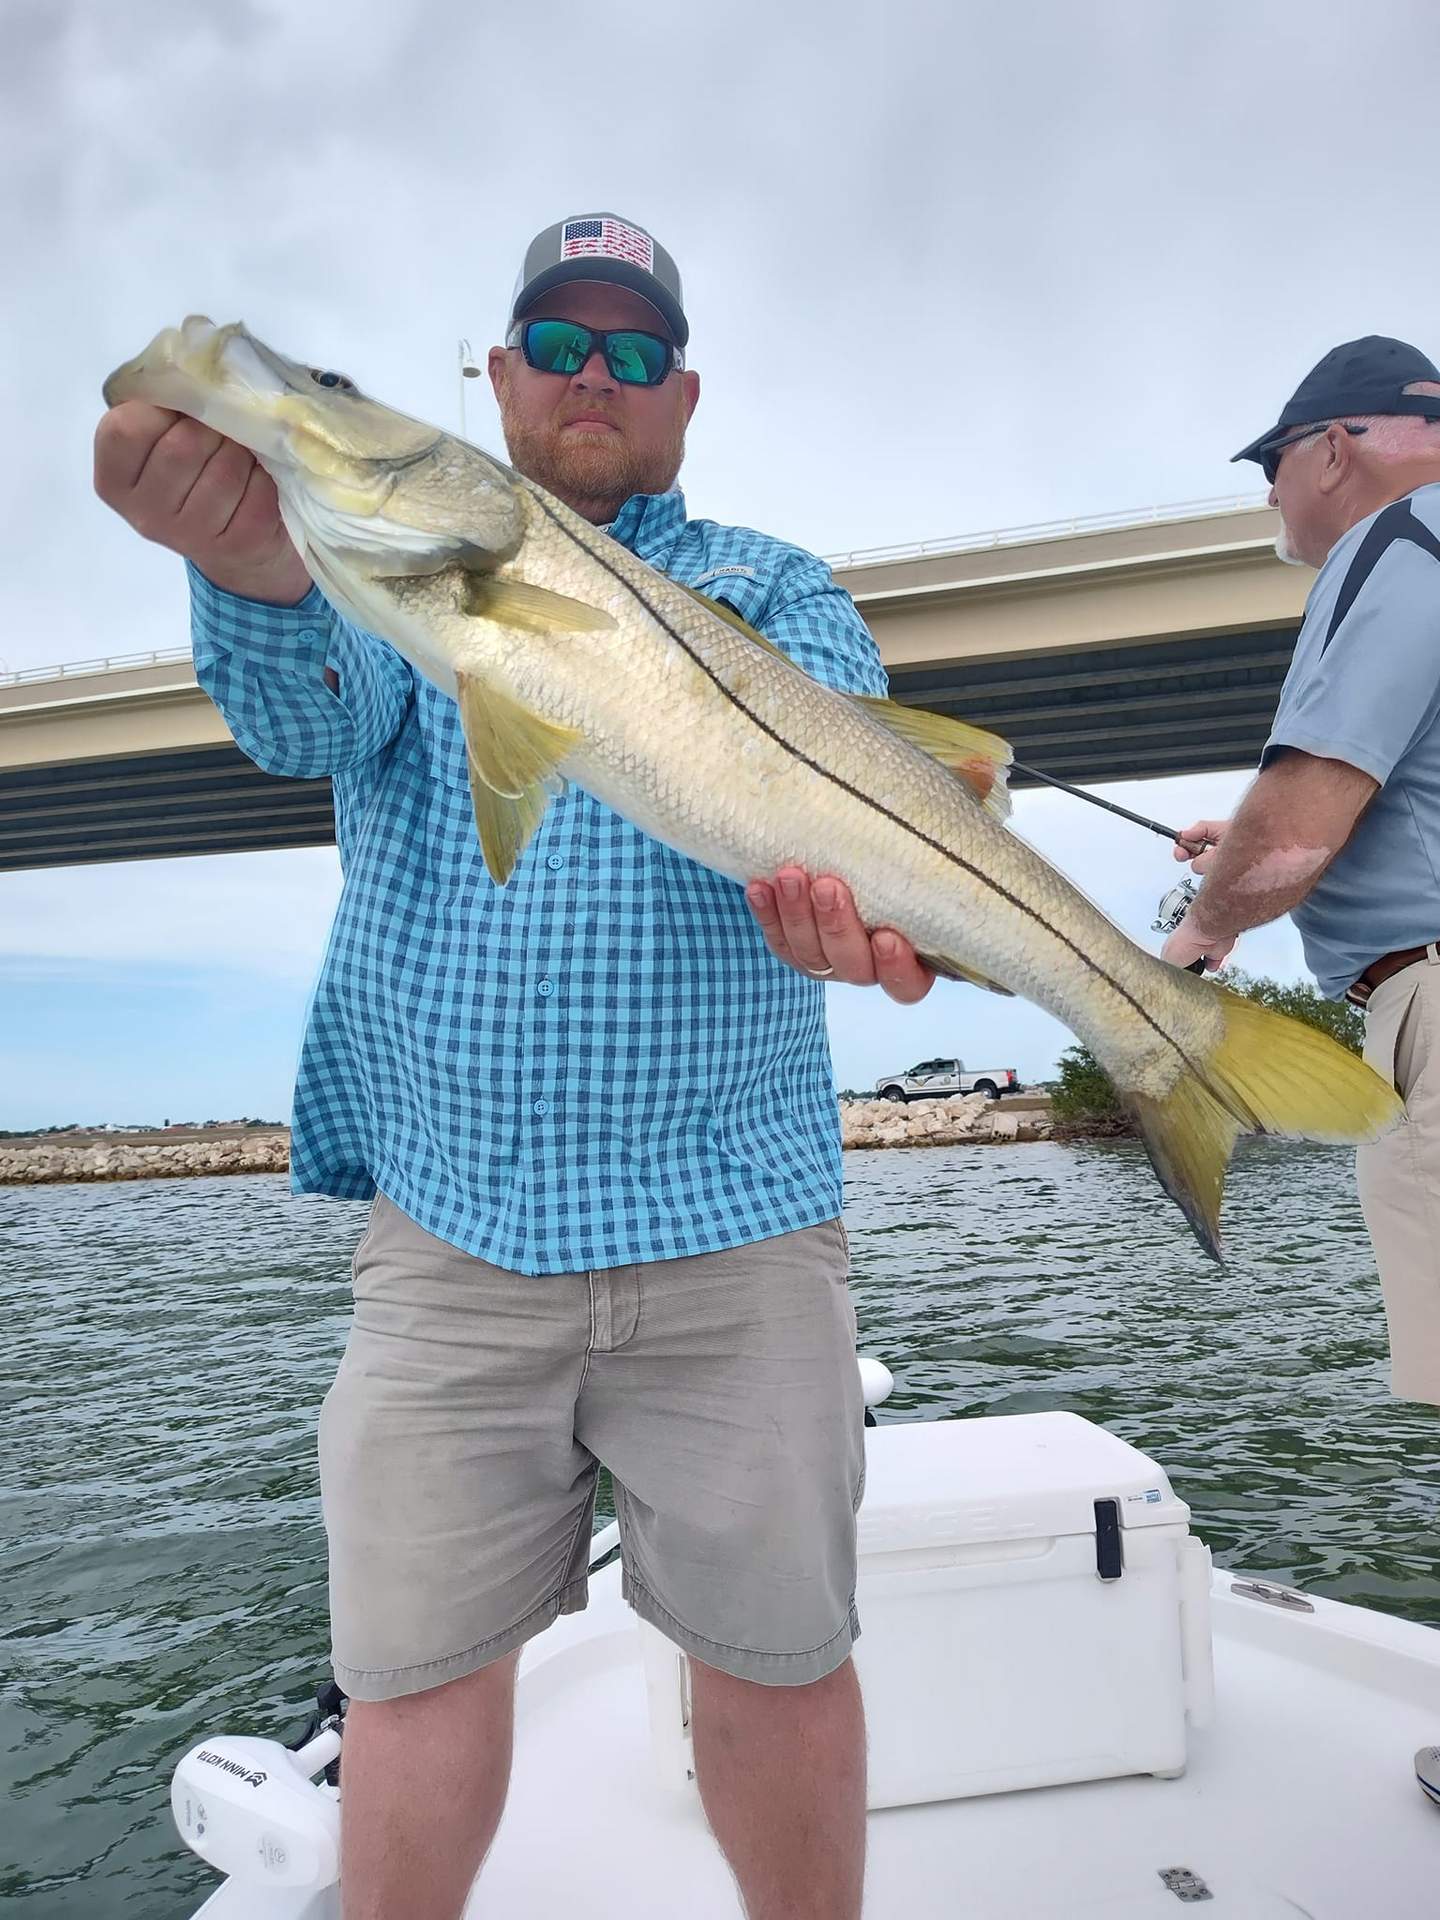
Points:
(907, 826)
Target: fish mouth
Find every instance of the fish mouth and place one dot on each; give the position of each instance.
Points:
(288, 414)
(196, 357)
(234, 383)
(336, 456)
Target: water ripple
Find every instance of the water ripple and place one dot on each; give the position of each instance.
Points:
(170, 1342)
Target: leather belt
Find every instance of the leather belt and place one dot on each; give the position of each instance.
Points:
(1379, 971)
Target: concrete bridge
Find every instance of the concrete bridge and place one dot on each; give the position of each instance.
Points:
(1105, 649)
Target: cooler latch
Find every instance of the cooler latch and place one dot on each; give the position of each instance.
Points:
(1109, 1544)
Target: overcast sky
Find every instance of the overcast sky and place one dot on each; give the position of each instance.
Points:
(948, 267)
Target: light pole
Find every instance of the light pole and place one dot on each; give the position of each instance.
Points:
(468, 371)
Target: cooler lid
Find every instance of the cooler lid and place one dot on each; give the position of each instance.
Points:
(1007, 1477)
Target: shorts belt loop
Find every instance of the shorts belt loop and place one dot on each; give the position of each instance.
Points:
(1432, 954)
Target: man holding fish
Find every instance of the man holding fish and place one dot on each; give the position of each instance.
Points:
(590, 1093)
(597, 1117)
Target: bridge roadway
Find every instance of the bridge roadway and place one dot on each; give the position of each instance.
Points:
(1104, 650)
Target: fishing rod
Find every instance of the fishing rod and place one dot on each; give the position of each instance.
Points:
(1176, 903)
(1139, 819)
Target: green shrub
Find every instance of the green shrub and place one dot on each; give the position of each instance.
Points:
(1083, 1091)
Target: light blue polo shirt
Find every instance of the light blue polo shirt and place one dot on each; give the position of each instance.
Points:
(1364, 687)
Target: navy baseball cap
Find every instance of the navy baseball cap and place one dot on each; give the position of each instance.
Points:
(1363, 376)
(602, 246)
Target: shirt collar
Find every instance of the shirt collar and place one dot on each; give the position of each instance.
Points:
(649, 524)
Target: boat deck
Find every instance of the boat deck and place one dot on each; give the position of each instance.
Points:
(1300, 1800)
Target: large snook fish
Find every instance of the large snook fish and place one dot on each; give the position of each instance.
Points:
(571, 659)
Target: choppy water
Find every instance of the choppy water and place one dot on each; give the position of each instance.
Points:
(169, 1342)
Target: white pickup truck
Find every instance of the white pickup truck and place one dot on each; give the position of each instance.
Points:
(933, 1079)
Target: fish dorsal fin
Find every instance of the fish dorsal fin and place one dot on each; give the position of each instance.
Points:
(978, 758)
(515, 603)
(724, 611)
(953, 970)
(513, 756)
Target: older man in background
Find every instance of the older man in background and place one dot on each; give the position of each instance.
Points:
(1342, 827)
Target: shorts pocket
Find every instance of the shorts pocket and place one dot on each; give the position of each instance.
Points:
(1415, 1036)
(365, 1233)
(1389, 1035)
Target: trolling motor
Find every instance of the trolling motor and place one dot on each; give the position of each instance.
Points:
(253, 1808)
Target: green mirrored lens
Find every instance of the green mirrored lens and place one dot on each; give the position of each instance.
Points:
(564, 346)
(558, 346)
(638, 358)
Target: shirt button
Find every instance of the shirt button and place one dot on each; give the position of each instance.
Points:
(542, 1107)
(545, 988)
(308, 635)
(555, 862)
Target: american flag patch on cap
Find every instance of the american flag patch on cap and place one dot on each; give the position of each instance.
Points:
(610, 239)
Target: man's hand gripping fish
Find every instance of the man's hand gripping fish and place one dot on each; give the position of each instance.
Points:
(570, 659)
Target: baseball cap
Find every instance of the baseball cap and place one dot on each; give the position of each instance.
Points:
(602, 246)
(1362, 376)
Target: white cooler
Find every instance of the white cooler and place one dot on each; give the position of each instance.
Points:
(1033, 1610)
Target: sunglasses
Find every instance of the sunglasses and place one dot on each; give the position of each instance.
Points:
(563, 346)
(1270, 456)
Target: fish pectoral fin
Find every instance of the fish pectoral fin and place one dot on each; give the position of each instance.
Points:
(981, 760)
(515, 603)
(513, 757)
(953, 970)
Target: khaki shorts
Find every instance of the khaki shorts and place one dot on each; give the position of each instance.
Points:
(1400, 1175)
(460, 1444)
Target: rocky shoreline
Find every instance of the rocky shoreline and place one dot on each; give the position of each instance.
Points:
(968, 1119)
(44, 1163)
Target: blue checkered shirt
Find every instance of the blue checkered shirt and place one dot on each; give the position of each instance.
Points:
(597, 1064)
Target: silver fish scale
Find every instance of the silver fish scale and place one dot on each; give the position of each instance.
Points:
(737, 758)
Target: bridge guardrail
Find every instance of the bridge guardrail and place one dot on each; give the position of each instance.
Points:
(857, 557)
(1045, 530)
(107, 663)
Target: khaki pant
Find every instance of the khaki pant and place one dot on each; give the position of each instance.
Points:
(1400, 1175)
(461, 1441)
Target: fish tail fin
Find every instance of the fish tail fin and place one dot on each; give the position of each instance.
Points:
(1267, 1074)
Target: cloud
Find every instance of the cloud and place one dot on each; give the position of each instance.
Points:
(948, 269)
(260, 914)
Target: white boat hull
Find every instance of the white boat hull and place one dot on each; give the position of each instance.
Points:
(1299, 1801)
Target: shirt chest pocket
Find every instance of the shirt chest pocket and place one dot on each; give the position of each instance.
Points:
(743, 593)
(444, 741)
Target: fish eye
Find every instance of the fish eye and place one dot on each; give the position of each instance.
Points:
(323, 378)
